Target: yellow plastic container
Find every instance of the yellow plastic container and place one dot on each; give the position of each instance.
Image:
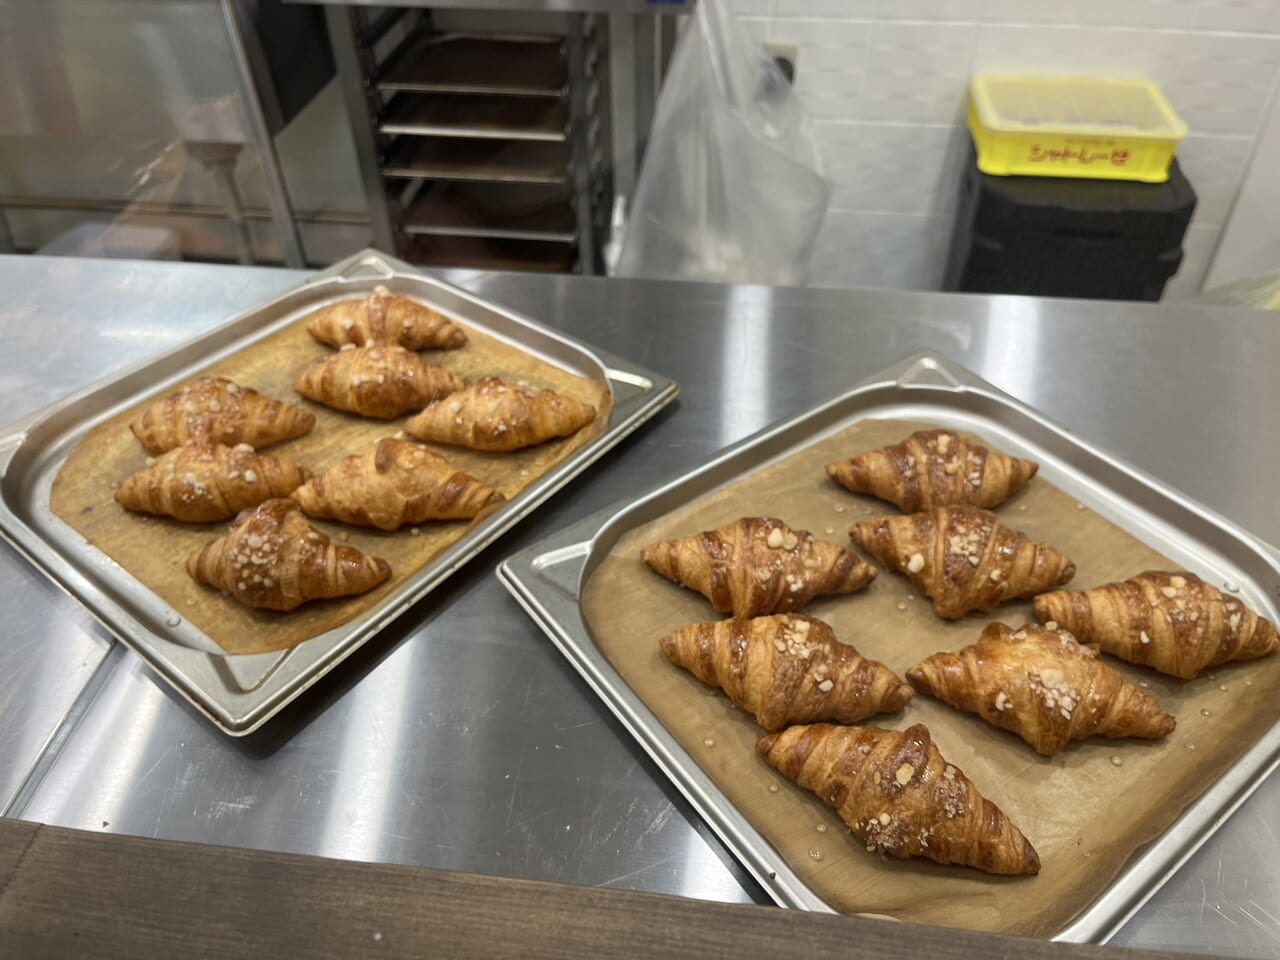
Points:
(1088, 127)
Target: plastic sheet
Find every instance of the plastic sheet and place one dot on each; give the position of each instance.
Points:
(731, 188)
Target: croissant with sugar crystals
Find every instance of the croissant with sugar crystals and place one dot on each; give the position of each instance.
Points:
(758, 565)
(935, 468)
(787, 669)
(200, 483)
(215, 410)
(899, 796)
(274, 560)
(1042, 685)
(963, 558)
(1172, 622)
(394, 484)
(497, 416)
(384, 317)
(382, 381)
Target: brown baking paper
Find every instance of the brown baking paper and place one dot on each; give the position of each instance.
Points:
(155, 549)
(1086, 810)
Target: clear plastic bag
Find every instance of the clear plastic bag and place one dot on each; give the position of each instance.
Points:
(732, 188)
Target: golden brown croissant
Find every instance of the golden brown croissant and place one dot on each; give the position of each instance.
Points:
(497, 416)
(395, 483)
(935, 468)
(382, 381)
(1042, 685)
(899, 796)
(275, 560)
(963, 558)
(214, 410)
(1173, 622)
(787, 669)
(758, 565)
(383, 317)
(203, 482)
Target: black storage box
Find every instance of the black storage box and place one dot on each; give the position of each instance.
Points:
(1063, 237)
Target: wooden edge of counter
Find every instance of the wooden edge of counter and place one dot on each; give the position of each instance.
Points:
(75, 893)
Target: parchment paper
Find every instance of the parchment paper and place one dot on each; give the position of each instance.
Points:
(1086, 810)
(155, 549)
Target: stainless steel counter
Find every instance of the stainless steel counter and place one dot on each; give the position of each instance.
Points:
(463, 741)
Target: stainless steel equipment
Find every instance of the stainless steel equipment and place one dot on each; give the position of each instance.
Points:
(464, 740)
(431, 109)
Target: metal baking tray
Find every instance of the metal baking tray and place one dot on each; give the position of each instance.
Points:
(477, 116)
(547, 580)
(514, 65)
(501, 211)
(498, 161)
(492, 253)
(240, 693)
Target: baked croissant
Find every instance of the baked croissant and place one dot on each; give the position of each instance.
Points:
(963, 558)
(275, 560)
(394, 484)
(215, 410)
(494, 415)
(383, 317)
(758, 565)
(1042, 685)
(787, 669)
(382, 381)
(1173, 622)
(935, 468)
(200, 483)
(899, 796)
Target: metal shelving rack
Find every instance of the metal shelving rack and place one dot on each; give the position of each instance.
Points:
(477, 149)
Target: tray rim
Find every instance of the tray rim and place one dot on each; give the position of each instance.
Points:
(645, 393)
(555, 606)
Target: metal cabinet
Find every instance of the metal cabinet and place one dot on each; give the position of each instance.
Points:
(478, 148)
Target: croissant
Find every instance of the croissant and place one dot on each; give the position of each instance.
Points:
(200, 483)
(494, 415)
(758, 565)
(1042, 685)
(1173, 622)
(382, 381)
(394, 484)
(275, 560)
(215, 410)
(963, 558)
(899, 796)
(383, 317)
(787, 669)
(935, 468)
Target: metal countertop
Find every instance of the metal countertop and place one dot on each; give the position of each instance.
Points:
(462, 740)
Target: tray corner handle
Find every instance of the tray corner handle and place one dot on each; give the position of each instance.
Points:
(929, 369)
(370, 263)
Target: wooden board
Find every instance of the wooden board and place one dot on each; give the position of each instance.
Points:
(154, 550)
(1086, 810)
(180, 899)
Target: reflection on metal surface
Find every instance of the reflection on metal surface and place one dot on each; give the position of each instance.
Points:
(746, 359)
(1012, 318)
(364, 776)
(497, 797)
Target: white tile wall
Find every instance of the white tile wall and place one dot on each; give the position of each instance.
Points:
(887, 81)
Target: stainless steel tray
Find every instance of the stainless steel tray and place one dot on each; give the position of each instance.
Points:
(505, 211)
(496, 161)
(547, 580)
(477, 115)
(511, 65)
(240, 693)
